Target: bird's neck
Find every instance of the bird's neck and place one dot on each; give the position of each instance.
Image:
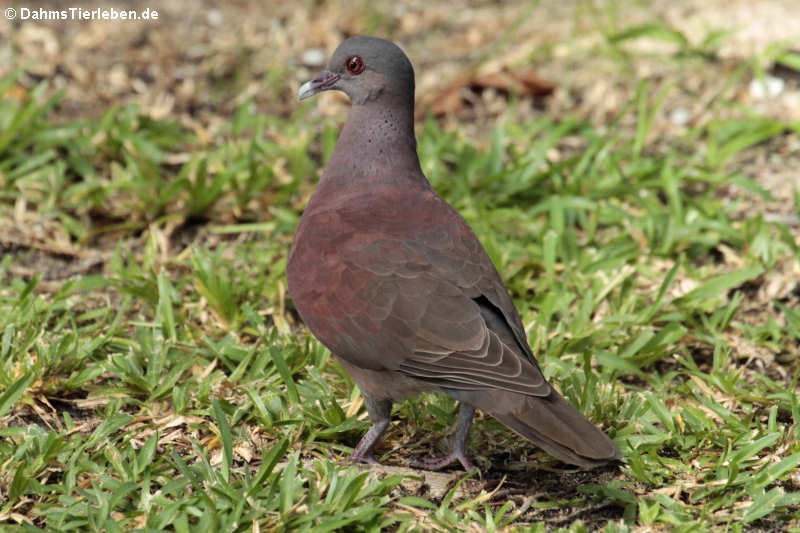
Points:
(376, 146)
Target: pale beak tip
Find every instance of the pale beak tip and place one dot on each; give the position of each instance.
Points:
(306, 90)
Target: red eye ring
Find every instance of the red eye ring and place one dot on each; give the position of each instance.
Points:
(354, 65)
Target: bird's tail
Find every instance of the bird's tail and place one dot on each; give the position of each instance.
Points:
(549, 422)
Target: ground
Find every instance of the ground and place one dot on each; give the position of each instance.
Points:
(631, 167)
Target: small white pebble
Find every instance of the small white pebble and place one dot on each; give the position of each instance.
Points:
(313, 57)
(679, 116)
(214, 17)
(767, 87)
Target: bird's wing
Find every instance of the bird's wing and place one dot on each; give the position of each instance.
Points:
(416, 292)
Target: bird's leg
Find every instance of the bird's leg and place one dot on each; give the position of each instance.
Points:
(459, 451)
(379, 412)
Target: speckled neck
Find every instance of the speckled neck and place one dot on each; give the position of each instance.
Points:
(377, 145)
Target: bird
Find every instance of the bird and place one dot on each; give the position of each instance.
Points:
(392, 279)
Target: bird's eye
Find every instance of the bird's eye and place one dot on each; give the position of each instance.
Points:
(354, 65)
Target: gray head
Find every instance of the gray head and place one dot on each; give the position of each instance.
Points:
(367, 69)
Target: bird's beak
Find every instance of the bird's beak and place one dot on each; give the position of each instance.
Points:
(322, 82)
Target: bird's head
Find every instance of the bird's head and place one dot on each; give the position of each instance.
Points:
(367, 69)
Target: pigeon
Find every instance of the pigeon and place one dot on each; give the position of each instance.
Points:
(392, 279)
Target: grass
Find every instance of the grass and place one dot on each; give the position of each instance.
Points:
(154, 376)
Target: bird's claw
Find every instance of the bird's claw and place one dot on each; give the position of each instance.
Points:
(437, 463)
(365, 459)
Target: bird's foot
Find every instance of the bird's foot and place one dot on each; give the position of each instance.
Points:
(437, 463)
(364, 459)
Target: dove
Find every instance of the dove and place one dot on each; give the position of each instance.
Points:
(392, 279)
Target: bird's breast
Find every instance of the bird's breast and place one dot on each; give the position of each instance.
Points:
(347, 260)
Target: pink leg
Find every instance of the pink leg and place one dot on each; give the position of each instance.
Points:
(379, 412)
(459, 451)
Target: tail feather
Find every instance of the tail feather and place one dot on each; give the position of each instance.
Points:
(549, 422)
(561, 430)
